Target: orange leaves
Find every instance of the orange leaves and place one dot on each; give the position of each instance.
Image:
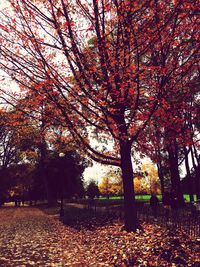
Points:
(39, 86)
(107, 5)
(90, 28)
(67, 24)
(48, 83)
(4, 27)
(59, 12)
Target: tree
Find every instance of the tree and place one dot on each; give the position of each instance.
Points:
(64, 175)
(111, 183)
(151, 184)
(21, 146)
(112, 86)
(105, 187)
(20, 179)
(52, 136)
(92, 190)
(17, 147)
(18, 138)
(172, 136)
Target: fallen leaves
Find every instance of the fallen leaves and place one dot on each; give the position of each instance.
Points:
(28, 237)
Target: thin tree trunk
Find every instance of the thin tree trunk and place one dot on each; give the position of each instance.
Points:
(43, 156)
(131, 221)
(161, 178)
(160, 170)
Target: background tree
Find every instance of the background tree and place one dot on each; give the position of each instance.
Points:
(17, 145)
(111, 183)
(151, 181)
(22, 146)
(20, 178)
(64, 175)
(92, 190)
(105, 187)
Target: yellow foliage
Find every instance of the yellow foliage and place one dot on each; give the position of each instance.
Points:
(105, 186)
(137, 185)
(150, 182)
(111, 184)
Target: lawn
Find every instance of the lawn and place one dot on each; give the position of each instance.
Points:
(141, 198)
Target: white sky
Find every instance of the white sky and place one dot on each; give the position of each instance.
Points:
(3, 4)
(96, 172)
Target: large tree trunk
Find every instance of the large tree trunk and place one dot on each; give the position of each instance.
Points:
(196, 169)
(131, 221)
(175, 176)
(189, 178)
(197, 181)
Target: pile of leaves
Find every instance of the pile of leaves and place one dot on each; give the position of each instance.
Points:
(155, 247)
(103, 242)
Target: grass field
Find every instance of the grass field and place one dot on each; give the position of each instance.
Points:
(143, 198)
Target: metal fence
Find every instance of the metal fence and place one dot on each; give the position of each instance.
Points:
(184, 219)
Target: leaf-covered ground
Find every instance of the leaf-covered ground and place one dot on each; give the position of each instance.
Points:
(28, 237)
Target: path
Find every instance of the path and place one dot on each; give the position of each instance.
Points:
(28, 237)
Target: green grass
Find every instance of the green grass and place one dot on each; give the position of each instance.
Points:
(140, 198)
(145, 197)
(187, 198)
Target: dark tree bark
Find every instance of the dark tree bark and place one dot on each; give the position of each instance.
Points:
(174, 171)
(197, 181)
(161, 178)
(196, 169)
(189, 178)
(131, 221)
(42, 172)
